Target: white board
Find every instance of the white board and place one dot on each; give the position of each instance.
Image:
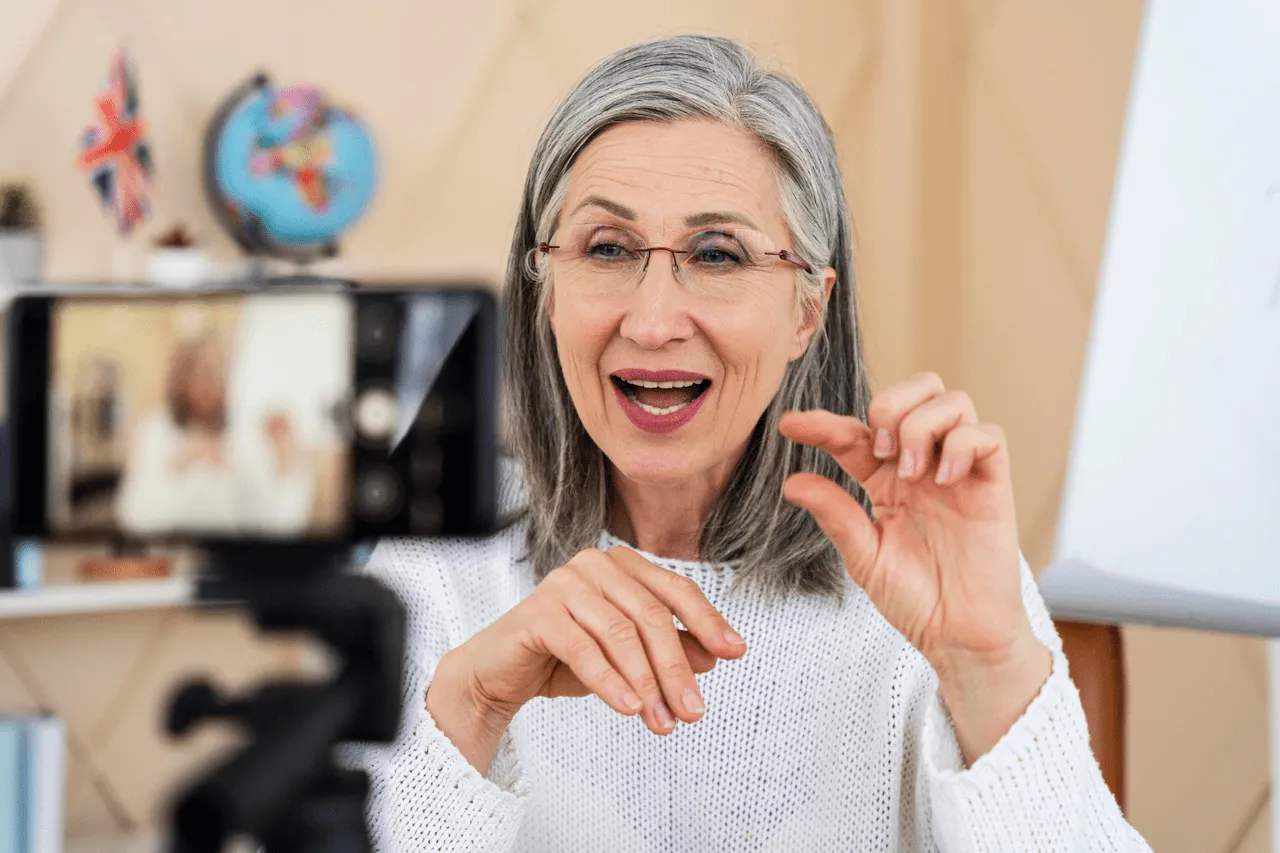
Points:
(1174, 477)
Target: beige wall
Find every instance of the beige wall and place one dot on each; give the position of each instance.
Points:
(978, 139)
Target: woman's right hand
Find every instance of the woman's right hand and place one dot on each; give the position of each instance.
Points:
(603, 624)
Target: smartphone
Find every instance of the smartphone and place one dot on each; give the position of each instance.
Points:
(298, 411)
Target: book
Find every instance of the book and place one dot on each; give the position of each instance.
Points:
(47, 748)
(32, 784)
(12, 785)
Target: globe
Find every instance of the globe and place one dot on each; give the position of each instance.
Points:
(288, 173)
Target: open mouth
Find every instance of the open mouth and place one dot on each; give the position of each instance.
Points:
(661, 396)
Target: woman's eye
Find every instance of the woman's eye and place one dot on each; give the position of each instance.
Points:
(608, 251)
(716, 256)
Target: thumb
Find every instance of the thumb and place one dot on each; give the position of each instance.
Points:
(841, 517)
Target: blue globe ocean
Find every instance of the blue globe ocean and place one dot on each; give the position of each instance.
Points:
(303, 170)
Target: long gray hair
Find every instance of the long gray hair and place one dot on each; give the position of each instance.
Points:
(773, 544)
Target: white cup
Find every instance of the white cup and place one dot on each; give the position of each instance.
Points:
(167, 267)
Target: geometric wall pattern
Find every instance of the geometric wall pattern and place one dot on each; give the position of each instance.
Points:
(978, 139)
(109, 676)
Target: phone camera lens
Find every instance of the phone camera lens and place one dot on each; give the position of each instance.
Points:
(378, 494)
(375, 414)
(376, 332)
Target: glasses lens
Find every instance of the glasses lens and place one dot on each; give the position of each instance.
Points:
(720, 263)
(599, 258)
(725, 263)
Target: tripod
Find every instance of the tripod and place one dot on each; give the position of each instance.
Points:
(284, 788)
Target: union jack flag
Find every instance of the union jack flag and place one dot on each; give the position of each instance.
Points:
(115, 150)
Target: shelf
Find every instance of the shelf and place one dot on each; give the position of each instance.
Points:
(140, 843)
(148, 841)
(103, 597)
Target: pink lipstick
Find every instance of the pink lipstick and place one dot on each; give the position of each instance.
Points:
(631, 385)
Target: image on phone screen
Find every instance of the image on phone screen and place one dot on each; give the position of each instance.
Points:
(221, 416)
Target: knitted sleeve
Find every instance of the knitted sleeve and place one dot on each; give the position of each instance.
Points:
(424, 794)
(1040, 787)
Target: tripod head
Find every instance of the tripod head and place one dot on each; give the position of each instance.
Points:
(283, 788)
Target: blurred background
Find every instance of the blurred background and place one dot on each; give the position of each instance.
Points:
(979, 142)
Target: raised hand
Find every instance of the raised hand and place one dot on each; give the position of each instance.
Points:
(939, 559)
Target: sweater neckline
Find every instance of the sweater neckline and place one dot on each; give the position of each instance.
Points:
(608, 540)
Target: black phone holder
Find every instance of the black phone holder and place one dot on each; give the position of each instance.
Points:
(284, 788)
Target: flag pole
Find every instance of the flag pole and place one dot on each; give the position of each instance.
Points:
(122, 263)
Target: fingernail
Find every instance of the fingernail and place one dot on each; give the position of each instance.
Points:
(944, 472)
(663, 716)
(631, 701)
(733, 638)
(884, 444)
(906, 464)
(693, 702)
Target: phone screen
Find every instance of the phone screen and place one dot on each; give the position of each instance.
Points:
(224, 416)
(295, 413)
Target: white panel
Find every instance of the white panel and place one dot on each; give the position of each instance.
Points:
(293, 355)
(1174, 476)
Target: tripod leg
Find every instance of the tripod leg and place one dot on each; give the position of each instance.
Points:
(329, 818)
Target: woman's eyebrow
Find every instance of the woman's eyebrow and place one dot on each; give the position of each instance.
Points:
(693, 220)
(698, 220)
(619, 210)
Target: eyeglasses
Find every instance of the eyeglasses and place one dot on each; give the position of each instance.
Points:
(719, 262)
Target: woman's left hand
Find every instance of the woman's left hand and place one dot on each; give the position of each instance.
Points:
(940, 559)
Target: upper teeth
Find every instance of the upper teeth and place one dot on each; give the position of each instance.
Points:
(641, 383)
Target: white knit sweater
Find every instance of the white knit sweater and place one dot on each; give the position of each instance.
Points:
(827, 735)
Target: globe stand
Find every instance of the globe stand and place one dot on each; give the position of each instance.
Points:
(260, 245)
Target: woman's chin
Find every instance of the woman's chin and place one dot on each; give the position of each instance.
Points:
(663, 469)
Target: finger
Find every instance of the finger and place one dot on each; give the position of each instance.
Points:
(924, 428)
(841, 517)
(891, 405)
(846, 438)
(563, 637)
(700, 659)
(686, 600)
(675, 691)
(973, 449)
(619, 639)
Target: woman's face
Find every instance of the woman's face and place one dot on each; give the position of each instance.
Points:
(671, 185)
(206, 385)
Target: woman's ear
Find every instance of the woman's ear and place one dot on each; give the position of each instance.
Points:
(812, 313)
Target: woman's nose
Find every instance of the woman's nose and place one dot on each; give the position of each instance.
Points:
(657, 312)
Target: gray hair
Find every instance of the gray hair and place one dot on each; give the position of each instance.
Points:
(773, 544)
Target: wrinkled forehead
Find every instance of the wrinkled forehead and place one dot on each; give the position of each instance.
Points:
(656, 175)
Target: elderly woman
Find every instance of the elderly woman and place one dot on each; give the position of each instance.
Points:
(185, 472)
(801, 608)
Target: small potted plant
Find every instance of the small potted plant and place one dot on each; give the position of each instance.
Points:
(21, 246)
(177, 262)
